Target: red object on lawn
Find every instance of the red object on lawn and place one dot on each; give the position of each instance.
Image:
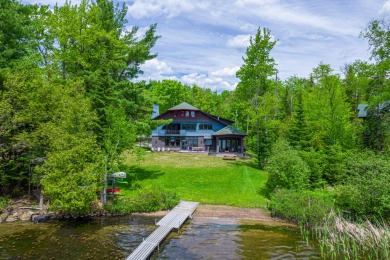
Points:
(115, 190)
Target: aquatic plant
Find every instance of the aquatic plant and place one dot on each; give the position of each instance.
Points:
(338, 236)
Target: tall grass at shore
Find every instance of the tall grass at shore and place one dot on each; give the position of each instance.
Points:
(340, 237)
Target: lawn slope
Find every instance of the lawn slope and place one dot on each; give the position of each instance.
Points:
(202, 178)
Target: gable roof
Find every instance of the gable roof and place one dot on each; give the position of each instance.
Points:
(229, 130)
(184, 106)
(220, 119)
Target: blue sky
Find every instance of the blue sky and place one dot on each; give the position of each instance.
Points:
(203, 41)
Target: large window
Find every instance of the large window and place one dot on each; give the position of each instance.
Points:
(205, 127)
(208, 142)
(172, 141)
(190, 127)
(193, 142)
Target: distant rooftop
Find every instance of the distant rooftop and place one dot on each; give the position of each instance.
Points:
(184, 106)
(229, 130)
(362, 110)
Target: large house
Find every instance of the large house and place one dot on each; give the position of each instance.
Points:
(193, 129)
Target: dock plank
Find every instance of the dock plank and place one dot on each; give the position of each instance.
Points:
(174, 219)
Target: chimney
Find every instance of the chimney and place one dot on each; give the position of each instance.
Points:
(155, 111)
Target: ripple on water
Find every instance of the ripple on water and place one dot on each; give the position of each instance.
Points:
(116, 238)
(208, 238)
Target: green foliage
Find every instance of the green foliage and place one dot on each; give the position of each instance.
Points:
(139, 153)
(118, 136)
(303, 207)
(4, 201)
(16, 34)
(286, 169)
(316, 161)
(367, 189)
(168, 93)
(148, 199)
(72, 170)
(257, 93)
(327, 112)
(333, 170)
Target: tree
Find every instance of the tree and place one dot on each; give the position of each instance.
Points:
(286, 168)
(327, 112)
(378, 35)
(70, 104)
(257, 94)
(16, 34)
(168, 93)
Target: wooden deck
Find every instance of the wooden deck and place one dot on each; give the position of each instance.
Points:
(173, 220)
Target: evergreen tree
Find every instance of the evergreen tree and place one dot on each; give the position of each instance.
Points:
(255, 90)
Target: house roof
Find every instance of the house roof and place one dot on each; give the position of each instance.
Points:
(184, 106)
(229, 130)
(364, 108)
(220, 119)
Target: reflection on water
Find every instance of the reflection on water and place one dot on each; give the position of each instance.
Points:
(116, 238)
(207, 238)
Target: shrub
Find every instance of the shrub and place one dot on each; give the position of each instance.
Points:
(4, 201)
(147, 200)
(286, 169)
(303, 207)
(367, 189)
(333, 170)
(315, 160)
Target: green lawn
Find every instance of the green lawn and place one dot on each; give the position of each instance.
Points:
(202, 178)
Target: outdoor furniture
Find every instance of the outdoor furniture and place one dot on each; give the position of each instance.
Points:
(230, 157)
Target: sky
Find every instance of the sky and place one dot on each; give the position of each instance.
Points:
(203, 42)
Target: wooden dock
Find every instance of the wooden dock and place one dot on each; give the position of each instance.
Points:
(173, 220)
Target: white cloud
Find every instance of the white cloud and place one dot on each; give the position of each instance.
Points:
(202, 42)
(385, 8)
(156, 68)
(171, 8)
(193, 78)
(207, 81)
(239, 41)
(228, 72)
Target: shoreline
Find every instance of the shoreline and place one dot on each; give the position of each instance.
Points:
(220, 211)
(203, 211)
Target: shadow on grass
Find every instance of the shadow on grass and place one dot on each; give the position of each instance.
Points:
(139, 174)
(265, 192)
(245, 162)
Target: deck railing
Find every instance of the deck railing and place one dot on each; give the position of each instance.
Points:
(173, 132)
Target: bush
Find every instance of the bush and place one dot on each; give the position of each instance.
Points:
(367, 189)
(286, 169)
(335, 157)
(315, 160)
(303, 207)
(147, 200)
(4, 201)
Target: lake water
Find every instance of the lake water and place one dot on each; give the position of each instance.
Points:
(116, 238)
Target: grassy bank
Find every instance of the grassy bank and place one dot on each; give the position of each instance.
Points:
(197, 177)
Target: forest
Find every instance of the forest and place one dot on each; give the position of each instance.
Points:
(70, 105)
